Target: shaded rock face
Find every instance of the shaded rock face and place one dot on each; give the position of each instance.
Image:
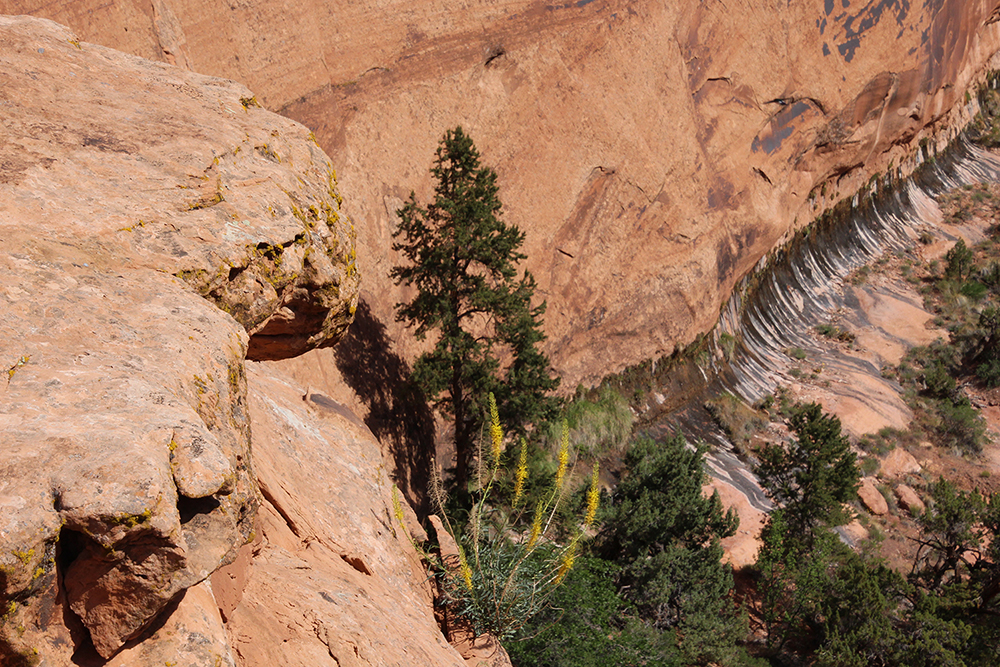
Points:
(127, 187)
(652, 153)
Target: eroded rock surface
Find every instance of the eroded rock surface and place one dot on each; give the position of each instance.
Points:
(125, 186)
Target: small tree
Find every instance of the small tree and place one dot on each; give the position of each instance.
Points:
(814, 475)
(463, 262)
(665, 534)
(799, 558)
(960, 262)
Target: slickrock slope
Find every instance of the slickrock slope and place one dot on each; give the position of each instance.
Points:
(157, 227)
(332, 579)
(652, 151)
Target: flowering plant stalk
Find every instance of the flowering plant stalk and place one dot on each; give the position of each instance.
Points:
(504, 577)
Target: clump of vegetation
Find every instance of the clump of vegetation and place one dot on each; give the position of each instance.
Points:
(985, 128)
(941, 409)
(837, 333)
(823, 603)
(739, 421)
(654, 589)
(796, 353)
(600, 422)
(503, 577)
(727, 342)
(880, 443)
(778, 404)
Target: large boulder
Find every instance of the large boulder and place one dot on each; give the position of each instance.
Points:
(872, 498)
(158, 226)
(898, 463)
(909, 499)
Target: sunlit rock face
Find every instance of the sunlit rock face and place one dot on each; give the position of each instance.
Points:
(653, 152)
(155, 223)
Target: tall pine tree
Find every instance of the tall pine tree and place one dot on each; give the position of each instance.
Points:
(463, 262)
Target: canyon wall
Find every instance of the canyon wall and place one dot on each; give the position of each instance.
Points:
(653, 152)
(165, 499)
(162, 499)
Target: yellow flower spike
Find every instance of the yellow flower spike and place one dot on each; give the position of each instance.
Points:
(567, 563)
(593, 497)
(563, 455)
(536, 525)
(397, 510)
(522, 471)
(464, 568)
(496, 433)
(397, 506)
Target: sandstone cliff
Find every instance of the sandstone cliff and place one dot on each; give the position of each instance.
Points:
(653, 152)
(159, 227)
(162, 500)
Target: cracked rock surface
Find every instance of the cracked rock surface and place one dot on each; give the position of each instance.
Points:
(129, 192)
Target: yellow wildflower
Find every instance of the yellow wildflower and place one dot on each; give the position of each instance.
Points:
(593, 498)
(464, 568)
(563, 455)
(496, 433)
(397, 507)
(567, 563)
(536, 525)
(521, 473)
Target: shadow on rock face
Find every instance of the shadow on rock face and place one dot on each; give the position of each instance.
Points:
(398, 414)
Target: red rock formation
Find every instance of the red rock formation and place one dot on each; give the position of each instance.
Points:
(653, 153)
(333, 579)
(139, 204)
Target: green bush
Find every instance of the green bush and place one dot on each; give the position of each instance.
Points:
(836, 333)
(796, 353)
(659, 593)
(590, 625)
(989, 373)
(880, 443)
(960, 262)
(974, 290)
(869, 465)
(598, 424)
(939, 381)
(665, 534)
(960, 426)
